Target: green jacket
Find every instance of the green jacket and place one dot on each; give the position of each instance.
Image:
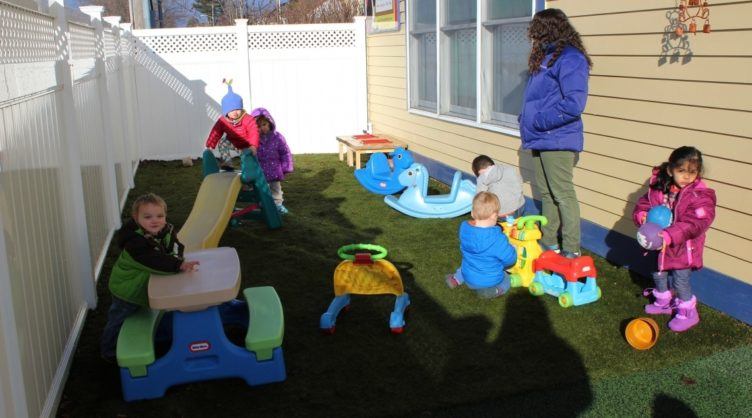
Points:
(141, 256)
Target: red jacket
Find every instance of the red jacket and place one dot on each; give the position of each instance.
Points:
(243, 134)
(694, 211)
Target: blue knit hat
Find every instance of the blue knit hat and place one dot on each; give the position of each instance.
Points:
(231, 101)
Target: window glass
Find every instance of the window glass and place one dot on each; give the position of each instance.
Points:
(509, 71)
(423, 55)
(423, 15)
(459, 69)
(505, 9)
(446, 79)
(459, 12)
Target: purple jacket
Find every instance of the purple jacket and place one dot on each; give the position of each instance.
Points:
(273, 154)
(694, 211)
(554, 100)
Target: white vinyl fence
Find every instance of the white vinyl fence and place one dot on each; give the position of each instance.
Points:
(312, 78)
(81, 102)
(67, 156)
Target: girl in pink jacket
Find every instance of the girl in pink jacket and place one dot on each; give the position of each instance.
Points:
(677, 184)
(235, 130)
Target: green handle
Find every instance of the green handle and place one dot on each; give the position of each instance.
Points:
(529, 221)
(343, 250)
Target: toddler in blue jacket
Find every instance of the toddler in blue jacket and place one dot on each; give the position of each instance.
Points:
(486, 251)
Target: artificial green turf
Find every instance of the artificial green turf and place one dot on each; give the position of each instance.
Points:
(517, 355)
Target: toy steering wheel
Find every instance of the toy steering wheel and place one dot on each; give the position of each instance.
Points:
(529, 221)
(343, 250)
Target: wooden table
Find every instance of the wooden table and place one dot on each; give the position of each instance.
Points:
(354, 147)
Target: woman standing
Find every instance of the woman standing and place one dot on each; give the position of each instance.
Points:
(551, 123)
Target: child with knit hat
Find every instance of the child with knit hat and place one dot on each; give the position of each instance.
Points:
(235, 129)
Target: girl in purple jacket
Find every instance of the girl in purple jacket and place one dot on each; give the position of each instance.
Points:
(273, 155)
(677, 184)
(551, 123)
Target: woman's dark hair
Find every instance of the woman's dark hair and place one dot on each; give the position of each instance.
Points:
(552, 27)
(678, 158)
(480, 162)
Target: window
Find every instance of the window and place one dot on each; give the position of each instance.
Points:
(423, 54)
(480, 82)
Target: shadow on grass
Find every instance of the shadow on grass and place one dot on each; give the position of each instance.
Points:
(459, 355)
(667, 406)
(528, 358)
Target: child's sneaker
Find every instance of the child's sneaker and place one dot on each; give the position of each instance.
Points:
(571, 254)
(491, 292)
(554, 248)
(282, 210)
(451, 281)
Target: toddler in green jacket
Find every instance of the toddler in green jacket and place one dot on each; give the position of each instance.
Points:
(149, 245)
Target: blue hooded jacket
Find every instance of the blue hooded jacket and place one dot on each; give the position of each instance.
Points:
(555, 98)
(486, 252)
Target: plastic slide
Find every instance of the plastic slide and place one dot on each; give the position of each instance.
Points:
(211, 211)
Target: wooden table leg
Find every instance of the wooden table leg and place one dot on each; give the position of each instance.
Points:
(357, 160)
(349, 157)
(341, 151)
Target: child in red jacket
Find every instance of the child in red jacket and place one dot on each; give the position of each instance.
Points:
(238, 127)
(677, 184)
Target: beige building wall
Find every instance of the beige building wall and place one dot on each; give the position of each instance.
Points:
(643, 103)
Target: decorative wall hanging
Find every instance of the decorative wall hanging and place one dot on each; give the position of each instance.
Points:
(691, 11)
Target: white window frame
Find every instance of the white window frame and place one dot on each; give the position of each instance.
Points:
(481, 72)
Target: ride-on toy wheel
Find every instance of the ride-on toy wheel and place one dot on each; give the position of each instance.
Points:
(599, 293)
(536, 289)
(565, 300)
(328, 331)
(398, 330)
(515, 280)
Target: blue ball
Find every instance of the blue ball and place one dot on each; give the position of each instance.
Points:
(660, 215)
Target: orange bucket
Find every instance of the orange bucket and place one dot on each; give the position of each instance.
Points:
(642, 333)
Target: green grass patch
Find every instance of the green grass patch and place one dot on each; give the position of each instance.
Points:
(459, 355)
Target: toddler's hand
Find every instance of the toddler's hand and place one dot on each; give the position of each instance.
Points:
(189, 266)
(666, 240)
(642, 217)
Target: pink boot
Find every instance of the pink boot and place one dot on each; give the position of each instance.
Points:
(661, 305)
(686, 315)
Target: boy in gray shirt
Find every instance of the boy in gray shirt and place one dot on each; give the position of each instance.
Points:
(502, 180)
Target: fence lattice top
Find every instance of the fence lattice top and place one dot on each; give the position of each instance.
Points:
(25, 35)
(341, 38)
(185, 43)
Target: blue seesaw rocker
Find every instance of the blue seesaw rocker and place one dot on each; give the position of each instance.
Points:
(414, 201)
(377, 177)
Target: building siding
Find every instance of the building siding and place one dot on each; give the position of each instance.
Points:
(643, 103)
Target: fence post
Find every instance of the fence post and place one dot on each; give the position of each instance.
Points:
(361, 69)
(81, 274)
(113, 200)
(244, 66)
(14, 405)
(121, 113)
(129, 87)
